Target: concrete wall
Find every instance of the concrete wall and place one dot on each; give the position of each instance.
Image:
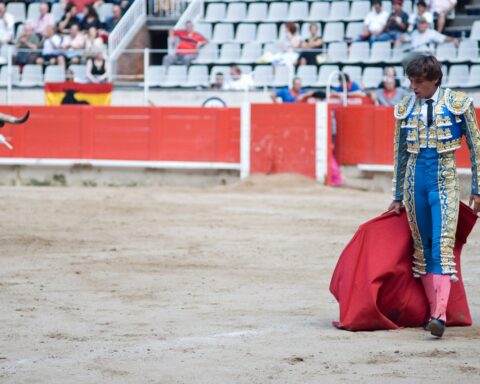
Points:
(134, 96)
(91, 177)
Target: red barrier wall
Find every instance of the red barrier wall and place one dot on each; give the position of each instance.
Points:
(282, 136)
(126, 133)
(365, 136)
(283, 139)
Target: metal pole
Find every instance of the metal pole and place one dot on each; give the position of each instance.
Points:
(146, 75)
(344, 86)
(9, 74)
(245, 127)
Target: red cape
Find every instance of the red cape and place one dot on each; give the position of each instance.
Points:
(373, 281)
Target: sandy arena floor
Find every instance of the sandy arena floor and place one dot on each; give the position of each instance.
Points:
(219, 285)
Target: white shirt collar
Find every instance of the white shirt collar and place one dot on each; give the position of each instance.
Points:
(434, 97)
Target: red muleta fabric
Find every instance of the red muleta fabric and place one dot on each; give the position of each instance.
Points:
(373, 281)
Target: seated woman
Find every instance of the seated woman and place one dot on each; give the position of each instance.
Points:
(97, 68)
(93, 42)
(309, 56)
(91, 19)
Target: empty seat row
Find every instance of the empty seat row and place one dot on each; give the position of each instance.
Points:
(265, 32)
(33, 76)
(357, 52)
(292, 11)
(268, 76)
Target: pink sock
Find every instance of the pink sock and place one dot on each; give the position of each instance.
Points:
(428, 287)
(441, 284)
(336, 176)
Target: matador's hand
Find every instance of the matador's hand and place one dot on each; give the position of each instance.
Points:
(396, 205)
(475, 200)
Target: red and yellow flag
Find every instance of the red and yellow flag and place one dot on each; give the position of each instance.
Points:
(78, 93)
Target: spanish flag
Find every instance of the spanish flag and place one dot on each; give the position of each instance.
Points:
(78, 93)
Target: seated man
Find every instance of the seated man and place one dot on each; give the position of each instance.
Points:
(421, 39)
(397, 24)
(441, 8)
(43, 19)
(28, 42)
(374, 22)
(290, 95)
(73, 45)
(421, 12)
(239, 81)
(51, 46)
(353, 89)
(390, 94)
(187, 45)
(112, 21)
(7, 25)
(219, 83)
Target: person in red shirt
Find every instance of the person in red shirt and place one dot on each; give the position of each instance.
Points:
(187, 43)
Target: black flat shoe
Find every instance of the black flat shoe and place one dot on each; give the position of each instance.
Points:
(436, 327)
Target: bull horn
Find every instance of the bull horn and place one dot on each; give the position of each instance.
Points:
(12, 119)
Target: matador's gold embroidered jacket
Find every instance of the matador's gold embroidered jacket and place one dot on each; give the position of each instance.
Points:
(454, 116)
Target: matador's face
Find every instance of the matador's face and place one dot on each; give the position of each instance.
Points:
(423, 88)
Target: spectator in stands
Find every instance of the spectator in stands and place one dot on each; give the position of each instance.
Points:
(73, 45)
(69, 18)
(390, 95)
(124, 5)
(374, 23)
(44, 18)
(389, 72)
(27, 44)
(93, 42)
(51, 46)
(219, 82)
(397, 24)
(353, 89)
(239, 81)
(421, 12)
(421, 39)
(290, 95)
(289, 44)
(91, 19)
(187, 43)
(97, 68)
(7, 25)
(441, 8)
(113, 20)
(313, 42)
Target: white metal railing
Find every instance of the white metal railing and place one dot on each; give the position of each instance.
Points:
(193, 12)
(127, 28)
(167, 8)
(344, 85)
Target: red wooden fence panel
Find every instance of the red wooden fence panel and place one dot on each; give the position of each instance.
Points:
(365, 136)
(125, 133)
(283, 139)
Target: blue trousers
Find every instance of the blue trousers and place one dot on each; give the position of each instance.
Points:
(432, 203)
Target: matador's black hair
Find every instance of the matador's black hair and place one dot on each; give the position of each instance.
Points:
(426, 67)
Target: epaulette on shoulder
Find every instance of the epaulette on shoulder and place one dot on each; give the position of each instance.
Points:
(404, 107)
(457, 102)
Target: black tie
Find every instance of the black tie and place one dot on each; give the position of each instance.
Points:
(429, 112)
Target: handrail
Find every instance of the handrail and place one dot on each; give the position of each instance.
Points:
(167, 8)
(344, 86)
(126, 28)
(192, 13)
